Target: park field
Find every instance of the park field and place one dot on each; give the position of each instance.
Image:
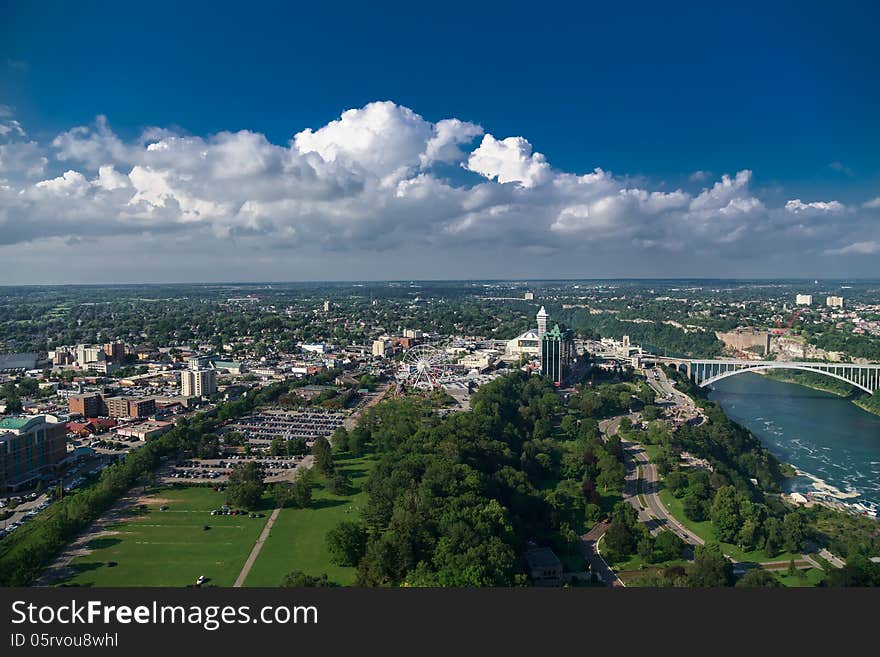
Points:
(297, 539)
(151, 547)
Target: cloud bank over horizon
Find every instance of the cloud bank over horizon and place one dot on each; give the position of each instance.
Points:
(383, 186)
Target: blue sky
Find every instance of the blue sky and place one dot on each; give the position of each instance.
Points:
(664, 97)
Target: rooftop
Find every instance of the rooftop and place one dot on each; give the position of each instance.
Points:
(542, 557)
(15, 423)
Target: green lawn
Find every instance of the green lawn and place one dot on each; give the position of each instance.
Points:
(706, 531)
(172, 548)
(804, 578)
(297, 539)
(653, 451)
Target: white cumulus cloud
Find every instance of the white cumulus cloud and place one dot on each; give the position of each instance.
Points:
(509, 160)
(377, 180)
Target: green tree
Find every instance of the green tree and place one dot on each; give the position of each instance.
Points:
(339, 439)
(710, 568)
(693, 507)
(725, 514)
(667, 546)
(774, 539)
(323, 456)
(245, 485)
(793, 532)
(302, 492)
(346, 543)
(758, 577)
(357, 441)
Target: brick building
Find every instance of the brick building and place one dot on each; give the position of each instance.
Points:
(87, 405)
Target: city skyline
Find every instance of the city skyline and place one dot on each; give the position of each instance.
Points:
(109, 172)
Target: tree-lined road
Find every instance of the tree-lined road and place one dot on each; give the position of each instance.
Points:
(590, 551)
(653, 513)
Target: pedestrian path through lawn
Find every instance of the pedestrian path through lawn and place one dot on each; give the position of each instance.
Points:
(297, 539)
(151, 547)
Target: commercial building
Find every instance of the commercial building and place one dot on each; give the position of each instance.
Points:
(30, 446)
(199, 383)
(316, 348)
(86, 354)
(379, 347)
(115, 352)
(542, 317)
(804, 299)
(88, 405)
(557, 354)
(415, 334)
(834, 302)
(529, 296)
(480, 359)
(201, 362)
(145, 430)
(528, 343)
(62, 357)
(231, 366)
(130, 406)
(13, 362)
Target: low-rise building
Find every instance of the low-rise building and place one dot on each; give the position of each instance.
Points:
(544, 566)
(145, 430)
(130, 406)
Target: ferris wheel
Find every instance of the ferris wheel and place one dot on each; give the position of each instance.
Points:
(421, 367)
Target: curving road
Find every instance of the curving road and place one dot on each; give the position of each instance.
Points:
(590, 551)
(648, 505)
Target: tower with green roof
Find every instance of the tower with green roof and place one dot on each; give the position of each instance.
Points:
(557, 354)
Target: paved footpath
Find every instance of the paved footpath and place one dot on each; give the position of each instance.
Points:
(246, 569)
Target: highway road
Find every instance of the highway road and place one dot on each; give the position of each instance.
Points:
(652, 512)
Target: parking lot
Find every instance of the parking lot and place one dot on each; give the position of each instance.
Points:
(273, 468)
(261, 429)
(26, 506)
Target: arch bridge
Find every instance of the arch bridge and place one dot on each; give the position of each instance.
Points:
(707, 372)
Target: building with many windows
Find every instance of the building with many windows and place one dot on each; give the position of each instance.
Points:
(199, 383)
(380, 347)
(557, 354)
(30, 446)
(130, 406)
(88, 405)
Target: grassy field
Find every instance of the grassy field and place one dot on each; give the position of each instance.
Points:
(297, 539)
(171, 548)
(804, 578)
(706, 531)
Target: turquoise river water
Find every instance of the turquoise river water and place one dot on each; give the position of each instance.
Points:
(834, 443)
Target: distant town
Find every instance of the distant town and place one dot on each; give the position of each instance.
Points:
(249, 400)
